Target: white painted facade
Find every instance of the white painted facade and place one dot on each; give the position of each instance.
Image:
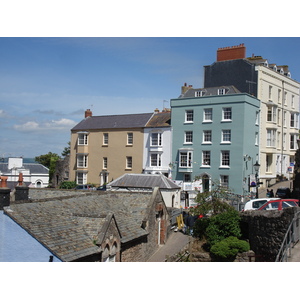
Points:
(36, 175)
(279, 123)
(157, 150)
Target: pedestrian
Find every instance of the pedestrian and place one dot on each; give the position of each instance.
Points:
(268, 193)
(271, 194)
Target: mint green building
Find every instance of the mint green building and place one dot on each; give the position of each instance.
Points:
(215, 139)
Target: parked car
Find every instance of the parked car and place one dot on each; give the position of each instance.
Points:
(254, 204)
(283, 193)
(84, 187)
(279, 204)
(101, 188)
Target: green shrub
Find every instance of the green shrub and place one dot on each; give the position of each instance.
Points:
(222, 226)
(199, 228)
(227, 249)
(67, 185)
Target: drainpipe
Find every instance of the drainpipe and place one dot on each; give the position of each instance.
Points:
(282, 135)
(159, 225)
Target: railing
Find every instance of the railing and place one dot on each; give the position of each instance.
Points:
(291, 237)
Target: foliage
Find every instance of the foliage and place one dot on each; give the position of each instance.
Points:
(222, 226)
(48, 160)
(227, 249)
(66, 150)
(67, 185)
(212, 202)
(200, 227)
(218, 227)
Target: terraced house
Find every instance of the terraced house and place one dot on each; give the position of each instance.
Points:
(215, 139)
(278, 93)
(104, 148)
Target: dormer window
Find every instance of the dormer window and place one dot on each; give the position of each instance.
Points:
(200, 93)
(221, 91)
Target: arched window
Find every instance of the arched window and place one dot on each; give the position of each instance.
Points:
(38, 184)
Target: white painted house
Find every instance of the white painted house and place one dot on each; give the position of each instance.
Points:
(34, 174)
(158, 144)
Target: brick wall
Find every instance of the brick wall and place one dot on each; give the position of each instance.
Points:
(230, 53)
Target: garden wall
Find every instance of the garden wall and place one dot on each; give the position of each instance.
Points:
(265, 231)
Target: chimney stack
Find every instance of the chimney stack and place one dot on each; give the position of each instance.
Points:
(88, 113)
(185, 88)
(4, 193)
(230, 53)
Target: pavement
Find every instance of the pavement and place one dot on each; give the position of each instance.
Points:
(262, 192)
(175, 243)
(295, 253)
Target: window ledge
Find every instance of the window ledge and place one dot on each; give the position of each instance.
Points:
(224, 167)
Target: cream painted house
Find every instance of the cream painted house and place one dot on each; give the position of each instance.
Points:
(279, 106)
(105, 147)
(279, 117)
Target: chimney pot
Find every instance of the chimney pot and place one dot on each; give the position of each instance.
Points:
(88, 113)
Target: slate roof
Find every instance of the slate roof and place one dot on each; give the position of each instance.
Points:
(113, 122)
(69, 227)
(210, 91)
(34, 168)
(144, 181)
(161, 119)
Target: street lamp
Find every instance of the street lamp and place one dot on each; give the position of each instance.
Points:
(256, 169)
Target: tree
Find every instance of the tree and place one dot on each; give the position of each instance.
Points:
(212, 202)
(66, 150)
(48, 160)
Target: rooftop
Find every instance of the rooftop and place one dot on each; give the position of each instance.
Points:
(144, 181)
(69, 227)
(114, 122)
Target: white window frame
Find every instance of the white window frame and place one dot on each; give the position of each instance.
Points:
(225, 159)
(188, 137)
(226, 112)
(82, 160)
(293, 141)
(129, 162)
(81, 177)
(207, 137)
(130, 138)
(82, 138)
(189, 116)
(105, 138)
(221, 91)
(271, 138)
(225, 134)
(185, 159)
(105, 163)
(155, 160)
(224, 181)
(207, 115)
(206, 158)
(271, 113)
(156, 139)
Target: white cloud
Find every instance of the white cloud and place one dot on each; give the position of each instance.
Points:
(32, 126)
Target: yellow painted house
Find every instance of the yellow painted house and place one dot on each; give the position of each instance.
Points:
(105, 147)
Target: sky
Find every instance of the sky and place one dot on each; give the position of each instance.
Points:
(46, 83)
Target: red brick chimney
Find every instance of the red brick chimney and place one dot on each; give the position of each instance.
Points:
(88, 113)
(230, 53)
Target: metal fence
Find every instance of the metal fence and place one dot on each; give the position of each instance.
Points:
(291, 237)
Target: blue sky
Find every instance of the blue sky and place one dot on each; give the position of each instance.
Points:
(47, 83)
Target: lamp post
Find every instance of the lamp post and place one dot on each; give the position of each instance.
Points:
(256, 169)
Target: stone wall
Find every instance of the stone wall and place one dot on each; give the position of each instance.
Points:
(265, 231)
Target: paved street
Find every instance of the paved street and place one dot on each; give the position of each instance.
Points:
(175, 242)
(263, 191)
(295, 257)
